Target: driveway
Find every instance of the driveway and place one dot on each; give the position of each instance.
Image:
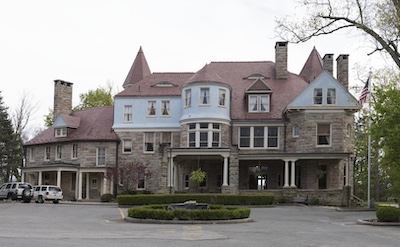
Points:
(93, 225)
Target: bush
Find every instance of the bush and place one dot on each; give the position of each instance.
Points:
(388, 214)
(107, 197)
(216, 212)
(264, 199)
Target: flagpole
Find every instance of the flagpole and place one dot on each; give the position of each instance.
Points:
(369, 141)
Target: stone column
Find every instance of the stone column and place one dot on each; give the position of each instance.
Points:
(59, 178)
(225, 174)
(286, 182)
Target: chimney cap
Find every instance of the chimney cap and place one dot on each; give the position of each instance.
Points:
(63, 82)
(281, 43)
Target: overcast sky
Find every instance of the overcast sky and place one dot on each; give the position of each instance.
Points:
(92, 42)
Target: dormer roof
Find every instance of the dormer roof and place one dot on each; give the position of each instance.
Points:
(67, 121)
(204, 75)
(139, 70)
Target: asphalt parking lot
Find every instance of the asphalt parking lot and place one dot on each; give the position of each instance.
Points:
(78, 224)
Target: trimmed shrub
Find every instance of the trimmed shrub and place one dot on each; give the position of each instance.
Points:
(216, 212)
(107, 197)
(388, 214)
(263, 199)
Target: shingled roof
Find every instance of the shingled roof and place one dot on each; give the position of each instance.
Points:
(139, 70)
(95, 125)
(313, 66)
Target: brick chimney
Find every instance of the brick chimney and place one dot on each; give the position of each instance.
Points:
(62, 98)
(342, 70)
(281, 59)
(328, 63)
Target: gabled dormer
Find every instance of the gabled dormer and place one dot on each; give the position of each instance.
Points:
(64, 124)
(258, 94)
(326, 93)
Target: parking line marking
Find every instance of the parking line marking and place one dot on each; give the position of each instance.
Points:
(122, 213)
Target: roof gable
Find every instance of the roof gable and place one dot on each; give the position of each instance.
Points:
(67, 121)
(325, 81)
(259, 86)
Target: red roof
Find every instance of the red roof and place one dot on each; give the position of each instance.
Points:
(139, 70)
(95, 125)
(313, 66)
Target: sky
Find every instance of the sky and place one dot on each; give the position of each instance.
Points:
(91, 43)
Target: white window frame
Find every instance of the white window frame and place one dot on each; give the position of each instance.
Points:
(331, 96)
(31, 154)
(127, 146)
(60, 132)
(47, 153)
(166, 138)
(318, 134)
(199, 131)
(151, 108)
(149, 137)
(74, 151)
(167, 108)
(296, 131)
(100, 158)
(252, 137)
(205, 97)
(127, 114)
(257, 101)
(188, 98)
(58, 154)
(317, 97)
(222, 97)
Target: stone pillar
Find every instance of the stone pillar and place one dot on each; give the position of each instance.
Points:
(225, 172)
(58, 178)
(79, 185)
(293, 174)
(286, 181)
(40, 178)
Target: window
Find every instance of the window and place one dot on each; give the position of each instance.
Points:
(188, 97)
(58, 152)
(204, 96)
(318, 96)
(296, 130)
(205, 135)
(127, 146)
(60, 132)
(127, 113)
(259, 103)
(31, 154)
(165, 111)
(149, 142)
(348, 130)
(47, 153)
(166, 138)
(331, 96)
(222, 97)
(74, 151)
(94, 184)
(258, 137)
(186, 179)
(323, 134)
(141, 180)
(101, 156)
(151, 108)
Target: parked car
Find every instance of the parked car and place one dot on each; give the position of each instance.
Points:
(43, 193)
(16, 191)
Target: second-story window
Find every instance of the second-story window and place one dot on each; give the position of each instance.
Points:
(204, 135)
(259, 103)
(165, 109)
(74, 151)
(151, 108)
(58, 152)
(204, 96)
(101, 157)
(222, 97)
(323, 134)
(188, 97)
(331, 96)
(47, 153)
(127, 113)
(258, 137)
(318, 96)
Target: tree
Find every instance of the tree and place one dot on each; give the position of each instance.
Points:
(11, 152)
(102, 96)
(378, 20)
(22, 114)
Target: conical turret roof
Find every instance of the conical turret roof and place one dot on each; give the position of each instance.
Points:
(139, 70)
(313, 66)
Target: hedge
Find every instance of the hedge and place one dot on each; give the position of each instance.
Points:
(216, 212)
(264, 199)
(388, 214)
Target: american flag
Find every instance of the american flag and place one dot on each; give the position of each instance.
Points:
(364, 93)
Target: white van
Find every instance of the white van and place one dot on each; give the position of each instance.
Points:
(43, 193)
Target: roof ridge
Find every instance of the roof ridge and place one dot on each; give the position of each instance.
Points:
(242, 62)
(174, 72)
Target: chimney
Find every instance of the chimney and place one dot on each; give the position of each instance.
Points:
(281, 58)
(62, 98)
(328, 63)
(342, 70)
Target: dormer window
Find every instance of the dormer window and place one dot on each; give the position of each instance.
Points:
(331, 96)
(60, 132)
(318, 96)
(258, 103)
(164, 84)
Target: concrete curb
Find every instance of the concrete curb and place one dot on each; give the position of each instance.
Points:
(151, 221)
(374, 222)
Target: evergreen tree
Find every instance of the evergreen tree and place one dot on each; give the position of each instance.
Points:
(11, 151)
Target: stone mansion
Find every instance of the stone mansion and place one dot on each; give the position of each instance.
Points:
(253, 127)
